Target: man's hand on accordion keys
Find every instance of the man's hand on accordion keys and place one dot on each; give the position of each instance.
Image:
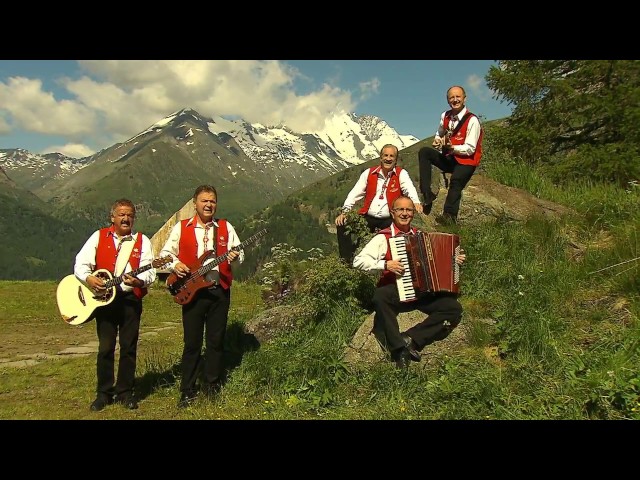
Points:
(395, 266)
(461, 257)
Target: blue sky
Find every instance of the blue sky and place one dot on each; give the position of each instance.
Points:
(80, 107)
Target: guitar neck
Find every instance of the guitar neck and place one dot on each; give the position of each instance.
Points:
(218, 260)
(118, 280)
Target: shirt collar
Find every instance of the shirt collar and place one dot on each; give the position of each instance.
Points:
(194, 221)
(395, 231)
(111, 232)
(460, 114)
(378, 169)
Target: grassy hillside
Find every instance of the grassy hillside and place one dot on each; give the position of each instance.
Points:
(550, 331)
(34, 244)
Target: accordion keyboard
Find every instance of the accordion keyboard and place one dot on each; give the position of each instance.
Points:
(404, 283)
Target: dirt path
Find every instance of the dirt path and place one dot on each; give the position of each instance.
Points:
(20, 354)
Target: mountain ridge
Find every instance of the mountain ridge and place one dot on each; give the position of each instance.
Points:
(251, 165)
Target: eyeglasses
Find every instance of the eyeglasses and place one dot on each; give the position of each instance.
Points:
(404, 210)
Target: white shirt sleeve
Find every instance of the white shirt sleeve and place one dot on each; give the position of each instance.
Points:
(146, 258)
(172, 245)
(468, 148)
(372, 256)
(441, 131)
(234, 241)
(407, 187)
(86, 258)
(357, 192)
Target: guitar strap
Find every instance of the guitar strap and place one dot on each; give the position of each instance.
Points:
(124, 252)
(214, 274)
(215, 240)
(460, 123)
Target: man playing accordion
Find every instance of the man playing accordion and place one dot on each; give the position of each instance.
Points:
(442, 306)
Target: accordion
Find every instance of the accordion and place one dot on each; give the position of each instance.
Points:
(430, 263)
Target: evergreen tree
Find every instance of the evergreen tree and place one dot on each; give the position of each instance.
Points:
(578, 117)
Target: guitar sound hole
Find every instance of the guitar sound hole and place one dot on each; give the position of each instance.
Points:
(109, 293)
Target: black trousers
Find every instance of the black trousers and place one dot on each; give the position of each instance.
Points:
(347, 245)
(460, 176)
(208, 310)
(443, 310)
(120, 319)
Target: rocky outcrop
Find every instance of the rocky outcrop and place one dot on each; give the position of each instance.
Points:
(365, 349)
(158, 240)
(484, 199)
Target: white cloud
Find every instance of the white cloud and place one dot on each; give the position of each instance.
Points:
(116, 99)
(478, 87)
(370, 88)
(74, 150)
(37, 111)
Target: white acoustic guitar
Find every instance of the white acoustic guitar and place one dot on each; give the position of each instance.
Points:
(77, 302)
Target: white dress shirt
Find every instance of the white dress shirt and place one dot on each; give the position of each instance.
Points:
(172, 245)
(379, 207)
(372, 256)
(468, 148)
(86, 259)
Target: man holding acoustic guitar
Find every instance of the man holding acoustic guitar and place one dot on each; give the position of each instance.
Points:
(204, 293)
(118, 250)
(457, 149)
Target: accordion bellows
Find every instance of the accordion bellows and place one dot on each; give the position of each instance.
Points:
(431, 261)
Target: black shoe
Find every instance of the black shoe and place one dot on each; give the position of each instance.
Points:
(412, 347)
(428, 202)
(402, 358)
(100, 402)
(128, 401)
(186, 399)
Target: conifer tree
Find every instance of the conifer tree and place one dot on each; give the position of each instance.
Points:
(580, 118)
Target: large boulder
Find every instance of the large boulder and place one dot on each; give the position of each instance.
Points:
(365, 349)
(484, 199)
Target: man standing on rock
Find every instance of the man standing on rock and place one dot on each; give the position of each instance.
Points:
(443, 309)
(457, 149)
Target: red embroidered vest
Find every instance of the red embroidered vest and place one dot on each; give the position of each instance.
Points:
(107, 254)
(188, 248)
(459, 137)
(392, 188)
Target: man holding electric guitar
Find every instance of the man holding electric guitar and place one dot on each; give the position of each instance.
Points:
(118, 250)
(204, 293)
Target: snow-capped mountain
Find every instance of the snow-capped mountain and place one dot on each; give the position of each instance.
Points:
(252, 165)
(32, 171)
(357, 139)
(345, 140)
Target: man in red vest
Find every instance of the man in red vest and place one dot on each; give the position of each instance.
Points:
(119, 250)
(457, 149)
(443, 309)
(207, 313)
(379, 187)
